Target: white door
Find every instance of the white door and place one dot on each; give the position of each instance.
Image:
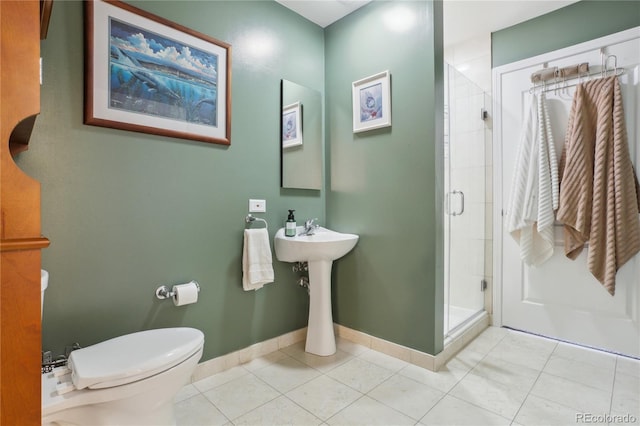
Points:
(561, 299)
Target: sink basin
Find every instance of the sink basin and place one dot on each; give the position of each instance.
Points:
(319, 250)
(324, 244)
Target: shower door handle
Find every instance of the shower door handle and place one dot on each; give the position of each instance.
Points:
(458, 213)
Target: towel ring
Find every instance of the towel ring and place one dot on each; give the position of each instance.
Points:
(250, 219)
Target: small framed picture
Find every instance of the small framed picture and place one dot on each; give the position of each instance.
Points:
(292, 125)
(372, 102)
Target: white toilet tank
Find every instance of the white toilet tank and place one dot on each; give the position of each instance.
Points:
(44, 282)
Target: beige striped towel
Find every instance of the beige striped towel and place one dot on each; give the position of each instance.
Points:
(599, 190)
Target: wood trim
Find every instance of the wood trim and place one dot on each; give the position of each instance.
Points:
(24, 244)
(20, 236)
(19, 139)
(20, 341)
(45, 15)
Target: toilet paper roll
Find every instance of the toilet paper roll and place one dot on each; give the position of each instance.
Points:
(184, 294)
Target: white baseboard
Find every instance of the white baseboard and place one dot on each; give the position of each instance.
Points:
(412, 356)
(242, 356)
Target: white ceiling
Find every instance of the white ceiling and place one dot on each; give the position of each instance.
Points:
(463, 19)
(323, 12)
(467, 19)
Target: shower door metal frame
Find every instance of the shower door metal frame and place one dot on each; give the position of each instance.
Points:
(453, 193)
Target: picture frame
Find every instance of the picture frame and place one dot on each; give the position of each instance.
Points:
(144, 73)
(372, 102)
(292, 125)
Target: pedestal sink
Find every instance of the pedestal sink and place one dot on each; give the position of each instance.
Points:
(319, 251)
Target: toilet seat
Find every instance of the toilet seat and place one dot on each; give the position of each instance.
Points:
(133, 357)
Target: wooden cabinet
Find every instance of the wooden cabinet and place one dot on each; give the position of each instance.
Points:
(20, 237)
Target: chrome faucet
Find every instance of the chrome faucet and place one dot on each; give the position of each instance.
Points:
(310, 227)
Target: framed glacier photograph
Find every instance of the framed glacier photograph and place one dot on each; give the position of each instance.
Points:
(292, 125)
(372, 102)
(146, 74)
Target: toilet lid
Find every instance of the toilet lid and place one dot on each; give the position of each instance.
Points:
(133, 357)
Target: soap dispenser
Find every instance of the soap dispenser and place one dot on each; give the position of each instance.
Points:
(290, 226)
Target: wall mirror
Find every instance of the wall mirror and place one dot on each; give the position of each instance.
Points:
(300, 137)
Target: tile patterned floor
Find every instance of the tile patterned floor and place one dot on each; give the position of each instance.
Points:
(503, 377)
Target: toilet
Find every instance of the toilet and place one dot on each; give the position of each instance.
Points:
(127, 380)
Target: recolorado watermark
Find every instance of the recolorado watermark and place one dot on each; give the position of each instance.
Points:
(605, 418)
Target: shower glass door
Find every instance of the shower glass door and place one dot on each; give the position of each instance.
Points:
(465, 199)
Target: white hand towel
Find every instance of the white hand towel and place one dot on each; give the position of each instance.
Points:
(534, 191)
(257, 268)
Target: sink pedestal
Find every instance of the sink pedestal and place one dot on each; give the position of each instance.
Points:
(320, 337)
(319, 250)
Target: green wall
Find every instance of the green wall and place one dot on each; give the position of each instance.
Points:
(573, 24)
(127, 212)
(385, 184)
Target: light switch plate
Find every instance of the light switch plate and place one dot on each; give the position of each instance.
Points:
(257, 206)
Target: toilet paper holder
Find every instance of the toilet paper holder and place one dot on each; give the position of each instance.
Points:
(164, 292)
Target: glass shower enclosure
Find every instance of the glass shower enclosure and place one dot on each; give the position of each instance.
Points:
(467, 207)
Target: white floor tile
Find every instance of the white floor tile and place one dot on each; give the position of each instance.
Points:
(628, 366)
(531, 341)
(264, 361)
(496, 397)
(451, 411)
(626, 395)
(198, 411)
(487, 340)
(538, 411)
(582, 398)
(286, 374)
(468, 358)
(281, 411)
(443, 380)
(321, 363)
(495, 380)
(465, 360)
(296, 350)
(220, 378)
(581, 372)
(323, 396)
(624, 419)
(383, 360)
(368, 411)
(406, 395)
(530, 351)
(512, 375)
(594, 357)
(350, 347)
(185, 393)
(241, 395)
(360, 375)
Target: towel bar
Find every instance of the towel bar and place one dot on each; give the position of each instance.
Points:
(251, 218)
